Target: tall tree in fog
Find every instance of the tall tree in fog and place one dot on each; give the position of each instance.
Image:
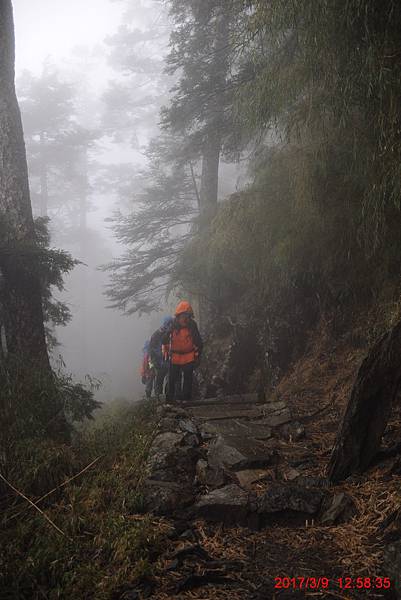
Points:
(58, 149)
(21, 298)
(47, 108)
(134, 98)
(200, 53)
(164, 205)
(197, 125)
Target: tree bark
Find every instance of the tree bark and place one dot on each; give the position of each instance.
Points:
(210, 177)
(44, 191)
(21, 289)
(368, 410)
(211, 151)
(214, 122)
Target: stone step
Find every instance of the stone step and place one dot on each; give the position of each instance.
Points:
(229, 412)
(238, 427)
(270, 407)
(237, 452)
(247, 477)
(276, 419)
(250, 448)
(265, 415)
(234, 399)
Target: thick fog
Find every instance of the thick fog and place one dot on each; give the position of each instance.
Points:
(91, 82)
(65, 43)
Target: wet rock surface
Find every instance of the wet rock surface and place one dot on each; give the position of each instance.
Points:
(222, 455)
(238, 470)
(289, 501)
(171, 464)
(229, 504)
(211, 455)
(264, 499)
(273, 513)
(247, 477)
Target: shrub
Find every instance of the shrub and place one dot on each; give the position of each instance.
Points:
(106, 545)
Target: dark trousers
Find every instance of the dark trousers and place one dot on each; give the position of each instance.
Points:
(180, 382)
(161, 374)
(149, 385)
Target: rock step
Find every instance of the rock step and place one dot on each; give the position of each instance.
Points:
(248, 446)
(265, 414)
(238, 427)
(225, 413)
(237, 452)
(286, 504)
(234, 399)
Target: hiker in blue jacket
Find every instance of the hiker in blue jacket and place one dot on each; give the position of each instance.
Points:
(156, 355)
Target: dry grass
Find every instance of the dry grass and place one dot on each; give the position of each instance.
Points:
(354, 548)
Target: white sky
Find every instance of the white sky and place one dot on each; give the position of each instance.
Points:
(52, 28)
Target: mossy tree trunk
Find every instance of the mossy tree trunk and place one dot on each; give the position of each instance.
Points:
(21, 296)
(369, 408)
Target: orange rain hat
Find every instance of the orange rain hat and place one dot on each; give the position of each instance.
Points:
(183, 307)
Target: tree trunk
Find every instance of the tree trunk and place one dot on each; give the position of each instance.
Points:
(208, 210)
(212, 149)
(44, 191)
(21, 290)
(210, 177)
(214, 121)
(369, 408)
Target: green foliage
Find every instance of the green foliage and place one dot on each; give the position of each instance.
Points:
(327, 75)
(198, 124)
(107, 547)
(52, 266)
(37, 405)
(131, 102)
(281, 259)
(317, 232)
(203, 53)
(154, 232)
(57, 146)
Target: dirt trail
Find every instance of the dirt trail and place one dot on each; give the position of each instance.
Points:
(275, 453)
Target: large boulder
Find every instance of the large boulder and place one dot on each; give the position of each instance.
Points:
(247, 477)
(375, 391)
(162, 453)
(171, 470)
(166, 497)
(223, 456)
(229, 504)
(206, 476)
(172, 451)
(275, 414)
(188, 426)
(288, 503)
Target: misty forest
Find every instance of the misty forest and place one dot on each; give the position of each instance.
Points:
(200, 299)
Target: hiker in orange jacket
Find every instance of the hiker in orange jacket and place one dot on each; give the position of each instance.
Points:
(184, 346)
